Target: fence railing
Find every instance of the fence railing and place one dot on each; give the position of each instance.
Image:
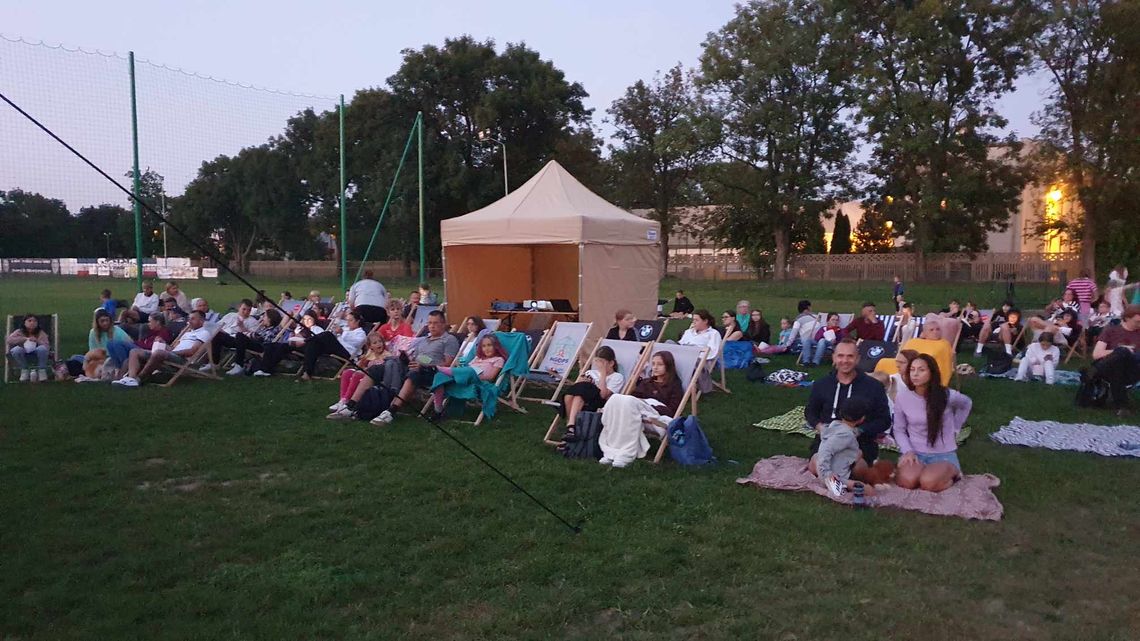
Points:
(328, 269)
(1026, 268)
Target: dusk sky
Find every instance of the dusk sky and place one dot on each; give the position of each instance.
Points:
(323, 49)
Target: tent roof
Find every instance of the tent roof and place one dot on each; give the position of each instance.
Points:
(551, 208)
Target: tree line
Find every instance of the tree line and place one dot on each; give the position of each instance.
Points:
(767, 127)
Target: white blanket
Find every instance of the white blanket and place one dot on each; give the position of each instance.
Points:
(623, 438)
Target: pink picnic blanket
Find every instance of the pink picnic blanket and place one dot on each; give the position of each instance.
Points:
(972, 497)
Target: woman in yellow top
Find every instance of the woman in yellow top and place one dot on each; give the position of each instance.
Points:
(932, 343)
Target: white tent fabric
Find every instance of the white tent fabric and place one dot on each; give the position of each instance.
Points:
(550, 208)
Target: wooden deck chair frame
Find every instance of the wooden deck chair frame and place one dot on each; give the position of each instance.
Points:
(631, 376)
(1081, 343)
(722, 385)
(53, 339)
(199, 357)
(510, 399)
(689, 396)
(539, 356)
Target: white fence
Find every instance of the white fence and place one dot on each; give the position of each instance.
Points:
(162, 268)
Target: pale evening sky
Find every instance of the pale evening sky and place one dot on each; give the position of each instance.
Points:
(325, 48)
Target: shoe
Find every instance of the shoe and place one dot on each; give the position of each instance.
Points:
(1009, 350)
(761, 361)
(605, 460)
(620, 464)
(44, 375)
(34, 376)
(262, 373)
(25, 375)
(127, 381)
(82, 379)
(385, 418)
(206, 369)
(341, 414)
(236, 370)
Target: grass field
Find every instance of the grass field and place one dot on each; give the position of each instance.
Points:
(234, 510)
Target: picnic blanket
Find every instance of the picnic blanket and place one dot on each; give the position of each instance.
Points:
(1105, 440)
(1061, 377)
(972, 497)
(793, 423)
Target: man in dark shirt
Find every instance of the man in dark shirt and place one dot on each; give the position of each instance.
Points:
(682, 306)
(866, 327)
(1116, 356)
(829, 393)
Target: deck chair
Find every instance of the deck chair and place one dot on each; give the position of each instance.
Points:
(630, 361)
(1082, 344)
(871, 352)
(888, 321)
(688, 359)
(197, 359)
(556, 356)
(419, 323)
(492, 323)
(48, 323)
(713, 366)
(517, 365)
(650, 331)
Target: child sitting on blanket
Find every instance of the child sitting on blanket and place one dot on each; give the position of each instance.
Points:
(839, 461)
(784, 342)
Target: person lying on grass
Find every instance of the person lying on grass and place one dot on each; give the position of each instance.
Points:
(928, 417)
(592, 389)
(839, 462)
(142, 362)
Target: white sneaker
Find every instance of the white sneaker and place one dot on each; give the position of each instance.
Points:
(206, 369)
(235, 370)
(605, 460)
(1009, 349)
(44, 375)
(620, 464)
(342, 414)
(978, 350)
(82, 379)
(262, 373)
(25, 375)
(127, 381)
(385, 418)
(34, 376)
(336, 406)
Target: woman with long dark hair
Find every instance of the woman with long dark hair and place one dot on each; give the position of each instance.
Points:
(626, 417)
(928, 417)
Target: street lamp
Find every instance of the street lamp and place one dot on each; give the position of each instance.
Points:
(486, 135)
(107, 236)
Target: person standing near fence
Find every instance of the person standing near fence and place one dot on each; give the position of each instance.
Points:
(369, 299)
(1086, 292)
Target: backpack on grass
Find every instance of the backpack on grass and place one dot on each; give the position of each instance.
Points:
(376, 399)
(688, 444)
(586, 432)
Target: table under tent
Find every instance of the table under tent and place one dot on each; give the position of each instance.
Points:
(550, 239)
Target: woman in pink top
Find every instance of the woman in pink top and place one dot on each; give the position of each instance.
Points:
(928, 417)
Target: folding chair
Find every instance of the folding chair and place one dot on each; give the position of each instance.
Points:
(719, 363)
(419, 323)
(650, 331)
(888, 321)
(48, 323)
(1082, 343)
(688, 359)
(630, 361)
(199, 357)
(518, 364)
(555, 357)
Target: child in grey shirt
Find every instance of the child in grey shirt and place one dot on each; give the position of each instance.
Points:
(839, 458)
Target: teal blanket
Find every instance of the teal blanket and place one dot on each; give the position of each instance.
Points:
(464, 384)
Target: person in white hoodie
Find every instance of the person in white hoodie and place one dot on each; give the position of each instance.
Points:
(1040, 359)
(805, 325)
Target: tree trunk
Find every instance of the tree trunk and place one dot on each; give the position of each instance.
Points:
(1088, 239)
(919, 263)
(782, 238)
(664, 248)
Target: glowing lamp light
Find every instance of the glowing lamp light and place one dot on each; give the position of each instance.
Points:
(1055, 195)
(890, 200)
(890, 224)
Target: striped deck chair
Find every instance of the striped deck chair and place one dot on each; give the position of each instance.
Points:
(199, 357)
(630, 361)
(555, 357)
(689, 360)
(48, 323)
(888, 321)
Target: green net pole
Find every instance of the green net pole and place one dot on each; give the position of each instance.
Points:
(343, 189)
(137, 186)
(420, 163)
(388, 200)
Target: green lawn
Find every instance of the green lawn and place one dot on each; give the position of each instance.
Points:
(234, 510)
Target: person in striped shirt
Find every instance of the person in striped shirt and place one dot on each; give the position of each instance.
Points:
(1086, 292)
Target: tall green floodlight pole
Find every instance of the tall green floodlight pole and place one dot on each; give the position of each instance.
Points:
(343, 188)
(420, 134)
(137, 185)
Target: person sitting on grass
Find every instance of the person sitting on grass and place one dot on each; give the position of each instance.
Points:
(142, 362)
(155, 333)
(29, 341)
(1041, 359)
(825, 338)
(623, 326)
(682, 306)
(436, 349)
(145, 303)
(867, 327)
(375, 354)
(831, 392)
(106, 340)
(743, 315)
(928, 417)
(1116, 358)
(347, 344)
(839, 462)
(730, 331)
(480, 373)
(625, 417)
(971, 321)
(785, 340)
(803, 327)
(758, 329)
(592, 389)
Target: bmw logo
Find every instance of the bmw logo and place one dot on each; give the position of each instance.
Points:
(875, 352)
(644, 331)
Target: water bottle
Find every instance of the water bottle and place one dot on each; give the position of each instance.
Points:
(859, 500)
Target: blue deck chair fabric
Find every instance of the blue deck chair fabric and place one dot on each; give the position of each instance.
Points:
(466, 385)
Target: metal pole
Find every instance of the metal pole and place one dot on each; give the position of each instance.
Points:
(506, 190)
(343, 189)
(164, 254)
(420, 163)
(137, 185)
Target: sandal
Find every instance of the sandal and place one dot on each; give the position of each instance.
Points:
(570, 435)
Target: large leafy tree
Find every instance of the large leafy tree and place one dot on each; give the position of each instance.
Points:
(102, 228)
(778, 78)
(34, 226)
(662, 145)
(1090, 124)
(930, 72)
